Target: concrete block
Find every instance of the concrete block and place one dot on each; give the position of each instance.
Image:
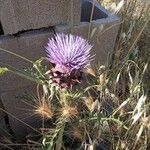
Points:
(20, 110)
(30, 45)
(103, 30)
(20, 15)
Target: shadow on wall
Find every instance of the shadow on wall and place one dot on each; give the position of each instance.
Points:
(1, 29)
(87, 9)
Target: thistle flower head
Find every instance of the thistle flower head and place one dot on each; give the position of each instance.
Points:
(68, 52)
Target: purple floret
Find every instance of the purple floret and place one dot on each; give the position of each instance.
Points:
(69, 52)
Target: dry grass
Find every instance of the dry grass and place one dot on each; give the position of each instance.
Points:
(134, 36)
(112, 112)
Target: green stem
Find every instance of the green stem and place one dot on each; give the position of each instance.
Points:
(36, 67)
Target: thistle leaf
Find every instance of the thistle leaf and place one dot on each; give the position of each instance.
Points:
(3, 70)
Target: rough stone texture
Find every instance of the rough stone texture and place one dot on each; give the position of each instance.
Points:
(19, 15)
(104, 29)
(20, 110)
(30, 45)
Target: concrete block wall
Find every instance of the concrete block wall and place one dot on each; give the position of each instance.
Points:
(104, 28)
(31, 45)
(103, 32)
(20, 110)
(21, 15)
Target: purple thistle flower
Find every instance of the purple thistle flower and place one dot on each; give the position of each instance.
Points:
(68, 53)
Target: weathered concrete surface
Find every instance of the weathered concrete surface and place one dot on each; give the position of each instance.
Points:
(20, 110)
(19, 15)
(103, 31)
(30, 45)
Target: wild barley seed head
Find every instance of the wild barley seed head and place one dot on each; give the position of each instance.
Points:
(44, 110)
(69, 112)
